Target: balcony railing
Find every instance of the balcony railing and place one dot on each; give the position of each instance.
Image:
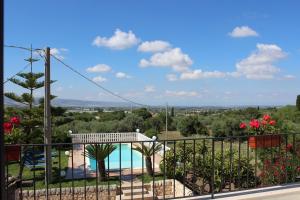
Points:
(187, 167)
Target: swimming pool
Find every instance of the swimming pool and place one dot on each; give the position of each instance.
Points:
(114, 159)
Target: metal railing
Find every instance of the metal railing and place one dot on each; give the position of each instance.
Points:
(190, 167)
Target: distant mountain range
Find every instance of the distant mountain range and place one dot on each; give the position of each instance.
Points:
(83, 103)
(73, 103)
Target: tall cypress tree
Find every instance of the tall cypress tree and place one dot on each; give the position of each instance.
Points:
(172, 112)
(298, 102)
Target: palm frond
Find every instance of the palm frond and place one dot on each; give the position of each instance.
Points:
(99, 151)
(150, 150)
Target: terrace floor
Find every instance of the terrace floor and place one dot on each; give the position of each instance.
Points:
(283, 192)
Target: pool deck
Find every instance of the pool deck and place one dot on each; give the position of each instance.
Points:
(77, 164)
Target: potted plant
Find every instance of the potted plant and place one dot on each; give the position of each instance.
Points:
(12, 136)
(264, 131)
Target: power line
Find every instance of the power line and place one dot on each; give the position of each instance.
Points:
(98, 85)
(77, 72)
(24, 48)
(25, 67)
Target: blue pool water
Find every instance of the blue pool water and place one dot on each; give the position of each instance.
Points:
(114, 159)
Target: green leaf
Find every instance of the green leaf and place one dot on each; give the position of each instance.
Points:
(14, 97)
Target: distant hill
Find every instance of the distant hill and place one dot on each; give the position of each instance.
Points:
(106, 104)
(83, 103)
(12, 103)
(73, 103)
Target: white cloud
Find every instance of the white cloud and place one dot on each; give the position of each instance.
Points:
(122, 75)
(259, 65)
(199, 74)
(57, 52)
(243, 31)
(150, 88)
(173, 58)
(99, 68)
(154, 46)
(99, 79)
(234, 74)
(172, 77)
(120, 40)
(289, 77)
(181, 93)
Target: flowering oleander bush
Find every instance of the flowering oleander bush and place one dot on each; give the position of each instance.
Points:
(12, 130)
(265, 125)
(281, 167)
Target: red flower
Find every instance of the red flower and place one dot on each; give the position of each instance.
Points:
(272, 122)
(289, 147)
(243, 125)
(266, 117)
(298, 169)
(15, 120)
(267, 162)
(7, 127)
(264, 122)
(254, 123)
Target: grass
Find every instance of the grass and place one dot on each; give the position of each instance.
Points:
(171, 135)
(13, 169)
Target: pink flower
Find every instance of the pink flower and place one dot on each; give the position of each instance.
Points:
(266, 117)
(15, 120)
(243, 125)
(7, 126)
(254, 123)
(272, 122)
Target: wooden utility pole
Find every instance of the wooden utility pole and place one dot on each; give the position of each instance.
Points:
(47, 119)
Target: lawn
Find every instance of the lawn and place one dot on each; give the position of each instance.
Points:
(13, 169)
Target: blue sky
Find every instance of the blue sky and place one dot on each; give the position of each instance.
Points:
(180, 52)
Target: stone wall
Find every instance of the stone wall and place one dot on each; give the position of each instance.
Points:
(67, 193)
(168, 186)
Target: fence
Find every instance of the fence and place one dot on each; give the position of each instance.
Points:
(112, 137)
(191, 167)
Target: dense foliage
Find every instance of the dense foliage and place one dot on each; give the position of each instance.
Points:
(240, 172)
(191, 125)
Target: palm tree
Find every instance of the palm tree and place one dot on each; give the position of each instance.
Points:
(99, 152)
(148, 152)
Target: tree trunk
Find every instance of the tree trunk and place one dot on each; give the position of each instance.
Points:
(101, 168)
(149, 166)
